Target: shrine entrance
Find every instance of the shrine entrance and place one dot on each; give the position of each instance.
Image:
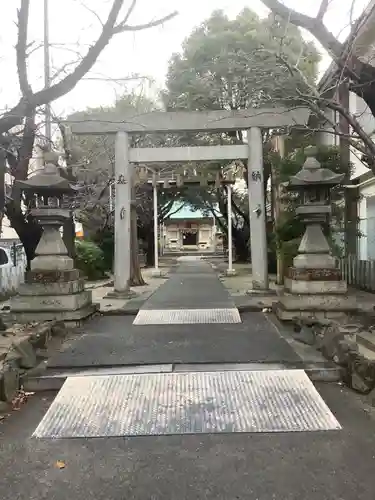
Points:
(253, 121)
(189, 237)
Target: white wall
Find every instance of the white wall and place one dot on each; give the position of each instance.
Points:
(365, 118)
(366, 214)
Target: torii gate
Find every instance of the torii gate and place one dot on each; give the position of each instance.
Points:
(251, 120)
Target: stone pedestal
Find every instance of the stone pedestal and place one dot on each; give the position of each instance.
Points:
(53, 289)
(156, 273)
(313, 286)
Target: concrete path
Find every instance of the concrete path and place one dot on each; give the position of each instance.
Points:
(192, 285)
(115, 341)
(218, 464)
(279, 466)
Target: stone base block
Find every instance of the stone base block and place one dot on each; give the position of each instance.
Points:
(59, 288)
(317, 306)
(121, 294)
(261, 293)
(69, 318)
(322, 274)
(301, 287)
(21, 303)
(55, 262)
(319, 303)
(314, 261)
(289, 315)
(156, 273)
(230, 272)
(39, 276)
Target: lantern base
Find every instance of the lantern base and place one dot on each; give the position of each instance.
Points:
(316, 287)
(327, 306)
(52, 263)
(52, 294)
(70, 318)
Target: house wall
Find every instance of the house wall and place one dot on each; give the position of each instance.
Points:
(359, 108)
(366, 226)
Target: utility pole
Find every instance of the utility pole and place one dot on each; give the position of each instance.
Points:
(47, 75)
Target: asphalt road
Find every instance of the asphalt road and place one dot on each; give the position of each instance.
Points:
(335, 465)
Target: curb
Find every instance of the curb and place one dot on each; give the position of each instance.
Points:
(250, 308)
(54, 381)
(121, 312)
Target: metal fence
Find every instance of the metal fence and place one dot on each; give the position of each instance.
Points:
(358, 273)
(12, 268)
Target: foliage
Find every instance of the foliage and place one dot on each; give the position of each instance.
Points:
(105, 239)
(90, 259)
(232, 64)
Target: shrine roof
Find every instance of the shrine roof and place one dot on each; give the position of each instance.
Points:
(180, 211)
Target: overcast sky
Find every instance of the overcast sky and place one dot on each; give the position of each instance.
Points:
(73, 27)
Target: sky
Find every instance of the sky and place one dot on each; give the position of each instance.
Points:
(74, 24)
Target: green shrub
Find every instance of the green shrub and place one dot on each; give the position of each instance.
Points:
(90, 259)
(105, 240)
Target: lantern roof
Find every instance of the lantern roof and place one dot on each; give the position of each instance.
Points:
(312, 174)
(47, 180)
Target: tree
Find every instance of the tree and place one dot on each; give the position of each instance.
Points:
(352, 73)
(231, 64)
(18, 125)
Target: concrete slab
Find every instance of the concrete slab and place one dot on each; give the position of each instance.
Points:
(186, 403)
(114, 341)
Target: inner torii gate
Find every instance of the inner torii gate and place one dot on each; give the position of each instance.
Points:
(251, 120)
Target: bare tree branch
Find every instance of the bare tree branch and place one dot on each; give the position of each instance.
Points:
(314, 25)
(15, 115)
(323, 9)
(151, 24)
(21, 47)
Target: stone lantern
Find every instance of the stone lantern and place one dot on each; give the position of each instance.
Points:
(313, 184)
(313, 285)
(47, 190)
(53, 289)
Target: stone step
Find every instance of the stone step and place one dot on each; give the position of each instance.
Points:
(53, 380)
(369, 354)
(367, 340)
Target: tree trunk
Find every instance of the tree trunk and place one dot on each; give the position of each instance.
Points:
(241, 245)
(29, 233)
(150, 257)
(2, 185)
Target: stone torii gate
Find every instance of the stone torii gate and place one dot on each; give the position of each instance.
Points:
(251, 120)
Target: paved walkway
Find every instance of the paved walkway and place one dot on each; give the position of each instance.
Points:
(235, 449)
(115, 341)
